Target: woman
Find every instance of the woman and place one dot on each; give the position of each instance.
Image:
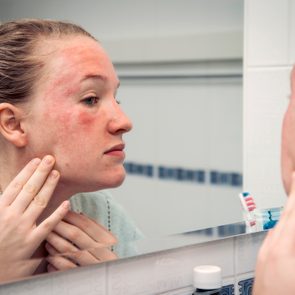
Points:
(61, 133)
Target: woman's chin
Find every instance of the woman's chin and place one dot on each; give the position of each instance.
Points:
(79, 185)
(112, 181)
(116, 181)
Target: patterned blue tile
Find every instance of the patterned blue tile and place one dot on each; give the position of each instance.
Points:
(190, 175)
(236, 179)
(230, 230)
(181, 174)
(165, 173)
(149, 170)
(207, 231)
(228, 290)
(213, 177)
(246, 286)
(127, 166)
(224, 178)
(139, 169)
(200, 176)
(161, 172)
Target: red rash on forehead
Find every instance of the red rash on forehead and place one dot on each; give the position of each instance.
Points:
(89, 57)
(69, 62)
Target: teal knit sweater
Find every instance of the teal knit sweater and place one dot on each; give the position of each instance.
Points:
(101, 207)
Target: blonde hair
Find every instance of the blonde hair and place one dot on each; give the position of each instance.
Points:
(19, 65)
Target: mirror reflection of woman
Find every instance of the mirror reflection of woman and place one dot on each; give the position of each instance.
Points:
(61, 133)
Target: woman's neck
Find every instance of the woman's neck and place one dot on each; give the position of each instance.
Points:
(61, 194)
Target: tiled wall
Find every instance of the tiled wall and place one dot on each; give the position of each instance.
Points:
(168, 272)
(269, 54)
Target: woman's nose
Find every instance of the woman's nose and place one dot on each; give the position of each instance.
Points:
(120, 123)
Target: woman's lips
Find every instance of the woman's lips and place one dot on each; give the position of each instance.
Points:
(116, 151)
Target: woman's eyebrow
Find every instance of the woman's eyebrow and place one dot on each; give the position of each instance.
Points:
(94, 76)
(99, 77)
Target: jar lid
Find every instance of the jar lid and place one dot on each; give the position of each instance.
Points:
(207, 277)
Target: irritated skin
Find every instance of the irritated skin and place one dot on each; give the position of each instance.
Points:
(77, 115)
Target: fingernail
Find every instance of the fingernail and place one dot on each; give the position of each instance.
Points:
(48, 160)
(54, 174)
(66, 204)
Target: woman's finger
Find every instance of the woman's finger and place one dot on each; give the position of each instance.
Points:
(60, 262)
(33, 185)
(103, 254)
(43, 229)
(51, 250)
(79, 257)
(76, 235)
(94, 230)
(41, 200)
(60, 244)
(51, 268)
(16, 185)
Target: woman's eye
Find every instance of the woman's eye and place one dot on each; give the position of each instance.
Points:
(92, 100)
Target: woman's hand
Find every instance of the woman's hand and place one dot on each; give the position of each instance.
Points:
(22, 202)
(78, 240)
(275, 267)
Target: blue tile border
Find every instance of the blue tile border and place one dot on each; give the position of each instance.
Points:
(246, 286)
(181, 174)
(139, 169)
(228, 290)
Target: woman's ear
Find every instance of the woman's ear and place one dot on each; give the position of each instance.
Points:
(10, 124)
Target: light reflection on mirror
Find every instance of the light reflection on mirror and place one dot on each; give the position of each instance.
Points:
(180, 66)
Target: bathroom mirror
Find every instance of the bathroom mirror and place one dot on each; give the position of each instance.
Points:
(180, 66)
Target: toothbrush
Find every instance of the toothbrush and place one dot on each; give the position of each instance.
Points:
(249, 206)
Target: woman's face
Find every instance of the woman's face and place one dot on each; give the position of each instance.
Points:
(74, 115)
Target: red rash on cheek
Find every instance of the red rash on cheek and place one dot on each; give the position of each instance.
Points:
(86, 119)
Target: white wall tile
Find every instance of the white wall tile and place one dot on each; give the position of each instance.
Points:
(267, 32)
(292, 32)
(246, 249)
(265, 100)
(88, 280)
(168, 270)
